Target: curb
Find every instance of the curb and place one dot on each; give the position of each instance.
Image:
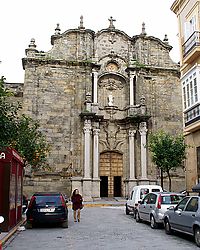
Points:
(100, 205)
(10, 233)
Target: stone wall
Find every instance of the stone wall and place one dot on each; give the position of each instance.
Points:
(58, 83)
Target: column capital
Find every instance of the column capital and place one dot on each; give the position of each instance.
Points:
(87, 126)
(95, 72)
(96, 131)
(131, 133)
(132, 74)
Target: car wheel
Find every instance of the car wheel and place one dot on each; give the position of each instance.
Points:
(153, 223)
(167, 226)
(127, 211)
(137, 217)
(28, 225)
(65, 224)
(197, 236)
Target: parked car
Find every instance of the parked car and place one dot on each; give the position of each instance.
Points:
(47, 208)
(154, 205)
(137, 194)
(184, 217)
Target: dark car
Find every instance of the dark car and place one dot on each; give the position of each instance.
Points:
(47, 208)
(184, 217)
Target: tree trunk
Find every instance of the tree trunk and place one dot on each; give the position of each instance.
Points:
(161, 178)
(170, 181)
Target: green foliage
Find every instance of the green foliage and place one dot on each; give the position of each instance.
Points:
(21, 132)
(168, 152)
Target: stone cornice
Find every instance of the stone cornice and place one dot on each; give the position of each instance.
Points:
(111, 31)
(54, 37)
(45, 61)
(165, 45)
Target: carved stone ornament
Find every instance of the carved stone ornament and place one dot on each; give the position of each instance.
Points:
(70, 171)
(111, 141)
(111, 84)
(112, 67)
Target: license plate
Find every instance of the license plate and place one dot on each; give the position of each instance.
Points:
(47, 210)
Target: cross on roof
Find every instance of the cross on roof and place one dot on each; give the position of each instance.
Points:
(111, 20)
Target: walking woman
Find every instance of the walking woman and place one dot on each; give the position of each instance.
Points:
(76, 204)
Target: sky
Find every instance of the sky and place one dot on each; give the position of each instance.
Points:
(21, 20)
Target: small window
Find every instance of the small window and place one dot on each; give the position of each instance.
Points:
(182, 204)
(192, 205)
(155, 190)
(152, 199)
(170, 199)
(143, 192)
(146, 200)
(47, 200)
(132, 195)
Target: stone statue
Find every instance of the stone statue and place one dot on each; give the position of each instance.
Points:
(110, 100)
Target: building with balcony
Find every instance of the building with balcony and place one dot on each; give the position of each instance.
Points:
(188, 14)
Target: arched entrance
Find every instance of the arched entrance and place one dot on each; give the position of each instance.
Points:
(111, 171)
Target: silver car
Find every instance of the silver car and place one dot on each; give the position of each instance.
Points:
(184, 217)
(154, 205)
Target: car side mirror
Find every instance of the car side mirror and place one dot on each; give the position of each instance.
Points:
(171, 208)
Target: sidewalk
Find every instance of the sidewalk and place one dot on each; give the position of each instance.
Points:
(117, 201)
(4, 236)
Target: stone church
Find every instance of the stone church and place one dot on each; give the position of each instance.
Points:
(97, 96)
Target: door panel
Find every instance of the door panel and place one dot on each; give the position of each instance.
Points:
(111, 165)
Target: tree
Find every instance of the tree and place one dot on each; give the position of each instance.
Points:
(21, 132)
(168, 152)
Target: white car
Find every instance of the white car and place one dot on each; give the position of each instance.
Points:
(137, 194)
(154, 205)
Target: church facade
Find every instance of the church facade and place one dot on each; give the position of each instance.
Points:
(97, 96)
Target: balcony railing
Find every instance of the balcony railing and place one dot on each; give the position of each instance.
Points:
(193, 41)
(192, 115)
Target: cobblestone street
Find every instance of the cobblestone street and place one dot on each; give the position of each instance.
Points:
(100, 228)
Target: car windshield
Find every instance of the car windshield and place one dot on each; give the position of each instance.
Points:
(47, 200)
(170, 199)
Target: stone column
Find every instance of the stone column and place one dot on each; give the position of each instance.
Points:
(95, 79)
(96, 153)
(87, 182)
(131, 181)
(143, 132)
(132, 153)
(87, 138)
(131, 82)
(96, 179)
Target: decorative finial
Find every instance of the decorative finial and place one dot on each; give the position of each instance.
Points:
(111, 20)
(57, 29)
(32, 44)
(143, 29)
(31, 50)
(165, 39)
(81, 23)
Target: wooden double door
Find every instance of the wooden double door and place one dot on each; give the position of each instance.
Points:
(111, 172)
